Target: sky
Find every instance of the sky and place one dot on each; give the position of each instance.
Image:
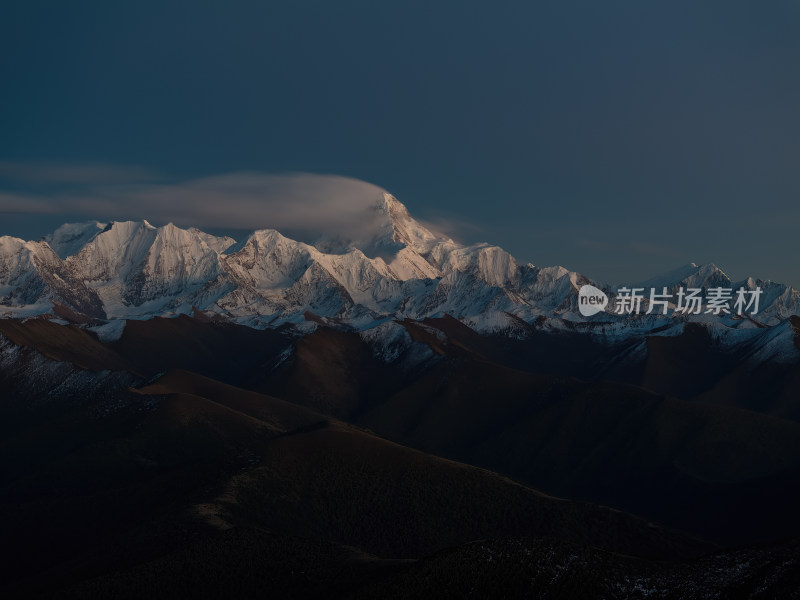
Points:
(618, 139)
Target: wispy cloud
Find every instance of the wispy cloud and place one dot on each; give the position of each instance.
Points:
(11, 202)
(243, 200)
(450, 225)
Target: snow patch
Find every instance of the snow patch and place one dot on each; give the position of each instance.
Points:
(109, 332)
(387, 341)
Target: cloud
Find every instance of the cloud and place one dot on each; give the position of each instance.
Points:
(253, 200)
(451, 226)
(243, 200)
(22, 203)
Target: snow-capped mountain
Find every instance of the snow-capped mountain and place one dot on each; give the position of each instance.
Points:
(397, 269)
(34, 280)
(139, 270)
(777, 302)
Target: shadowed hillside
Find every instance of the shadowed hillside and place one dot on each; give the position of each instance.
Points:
(123, 470)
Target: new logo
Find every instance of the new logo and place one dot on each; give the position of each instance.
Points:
(591, 300)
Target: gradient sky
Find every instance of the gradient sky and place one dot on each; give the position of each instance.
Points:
(620, 139)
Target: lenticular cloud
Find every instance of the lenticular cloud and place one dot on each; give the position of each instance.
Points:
(242, 200)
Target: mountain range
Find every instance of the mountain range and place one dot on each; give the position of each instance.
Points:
(96, 272)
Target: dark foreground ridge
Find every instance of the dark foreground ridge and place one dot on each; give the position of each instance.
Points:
(210, 460)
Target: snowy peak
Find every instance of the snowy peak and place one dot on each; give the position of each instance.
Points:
(118, 249)
(412, 251)
(708, 275)
(179, 254)
(382, 228)
(267, 259)
(16, 255)
(18, 264)
(489, 263)
(217, 244)
(139, 270)
(689, 276)
(122, 248)
(34, 280)
(405, 229)
(68, 239)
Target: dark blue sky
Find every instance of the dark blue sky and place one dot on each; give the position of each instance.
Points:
(620, 139)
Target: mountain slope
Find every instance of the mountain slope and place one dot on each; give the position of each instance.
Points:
(34, 280)
(116, 479)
